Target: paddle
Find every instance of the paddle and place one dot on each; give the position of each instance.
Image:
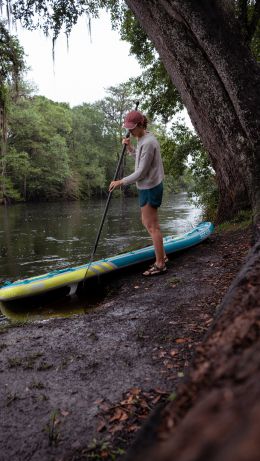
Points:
(109, 198)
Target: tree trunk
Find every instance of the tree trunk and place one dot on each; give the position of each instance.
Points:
(219, 82)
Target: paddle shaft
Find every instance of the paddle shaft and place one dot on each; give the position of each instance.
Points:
(110, 193)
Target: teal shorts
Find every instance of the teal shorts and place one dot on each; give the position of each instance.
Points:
(151, 197)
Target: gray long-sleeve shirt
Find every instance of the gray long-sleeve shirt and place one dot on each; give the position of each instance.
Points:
(148, 163)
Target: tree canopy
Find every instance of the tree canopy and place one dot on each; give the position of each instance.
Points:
(155, 86)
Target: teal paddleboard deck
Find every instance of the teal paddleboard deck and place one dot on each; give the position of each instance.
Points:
(72, 277)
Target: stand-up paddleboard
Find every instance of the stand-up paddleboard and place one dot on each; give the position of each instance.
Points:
(71, 278)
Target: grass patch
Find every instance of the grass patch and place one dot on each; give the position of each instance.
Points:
(174, 281)
(43, 366)
(52, 429)
(241, 221)
(102, 449)
(26, 363)
(43, 398)
(29, 361)
(14, 362)
(37, 385)
(11, 398)
(141, 335)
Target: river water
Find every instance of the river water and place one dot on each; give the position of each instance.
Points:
(38, 238)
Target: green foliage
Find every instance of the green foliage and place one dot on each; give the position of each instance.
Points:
(11, 57)
(114, 106)
(55, 152)
(187, 167)
(132, 32)
(10, 192)
(38, 130)
(119, 100)
(204, 191)
(89, 157)
(54, 15)
(17, 169)
(11, 66)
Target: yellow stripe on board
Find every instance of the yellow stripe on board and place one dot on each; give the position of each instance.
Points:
(98, 268)
(109, 265)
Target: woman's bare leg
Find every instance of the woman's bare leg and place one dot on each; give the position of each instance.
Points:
(151, 223)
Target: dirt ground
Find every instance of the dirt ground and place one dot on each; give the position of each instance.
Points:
(79, 388)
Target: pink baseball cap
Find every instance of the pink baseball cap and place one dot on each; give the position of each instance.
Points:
(132, 119)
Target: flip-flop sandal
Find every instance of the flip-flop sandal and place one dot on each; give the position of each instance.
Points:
(155, 270)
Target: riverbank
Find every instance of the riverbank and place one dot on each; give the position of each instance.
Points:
(80, 388)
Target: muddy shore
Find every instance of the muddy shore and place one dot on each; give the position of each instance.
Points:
(79, 388)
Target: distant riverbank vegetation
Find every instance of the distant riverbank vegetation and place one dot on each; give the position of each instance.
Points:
(50, 151)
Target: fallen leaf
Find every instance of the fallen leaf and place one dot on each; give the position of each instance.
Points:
(162, 354)
(129, 401)
(169, 366)
(101, 425)
(119, 415)
(133, 428)
(143, 417)
(144, 404)
(156, 399)
(181, 340)
(115, 428)
(173, 352)
(160, 391)
(64, 413)
(135, 390)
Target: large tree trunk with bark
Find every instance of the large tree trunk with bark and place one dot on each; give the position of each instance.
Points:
(219, 82)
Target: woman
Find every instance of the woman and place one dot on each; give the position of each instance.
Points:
(148, 176)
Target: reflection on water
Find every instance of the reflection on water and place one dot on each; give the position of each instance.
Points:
(24, 313)
(38, 238)
(30, 310)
